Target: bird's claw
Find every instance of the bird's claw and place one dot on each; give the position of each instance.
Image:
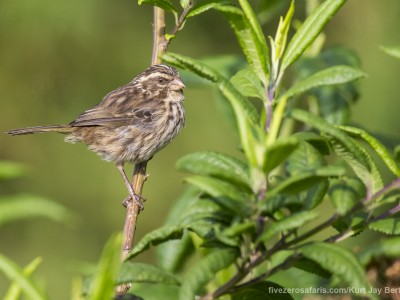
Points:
(136, 198)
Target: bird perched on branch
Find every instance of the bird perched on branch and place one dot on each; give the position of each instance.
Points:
(131, 123)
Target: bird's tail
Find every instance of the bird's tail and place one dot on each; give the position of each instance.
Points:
(39, 129)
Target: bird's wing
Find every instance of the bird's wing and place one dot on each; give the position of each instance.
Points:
(126, 105)
(138, 117)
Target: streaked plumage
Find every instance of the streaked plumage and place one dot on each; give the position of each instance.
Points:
(132, 122)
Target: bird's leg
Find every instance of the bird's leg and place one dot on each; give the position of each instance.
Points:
(132, 193)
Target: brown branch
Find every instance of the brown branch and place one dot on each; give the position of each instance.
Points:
(160, 45)
(139, 172)
(159, 42)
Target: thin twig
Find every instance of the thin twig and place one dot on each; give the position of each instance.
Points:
(282, 266)
(181, 21)
(159, 42)
(160, 45)
(139, 172)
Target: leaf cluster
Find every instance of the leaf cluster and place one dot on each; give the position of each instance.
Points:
(249, 217)
(17, 207)
(301, 169)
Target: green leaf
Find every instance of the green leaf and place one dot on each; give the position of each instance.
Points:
(330, 76)
(207, 72)
(15, 274)
(356, 221)
(325, 127)
(206, 216)
(150, 291)
(304, 158)
(397, 153)
(280, 201)
(345, 193)
(144, 273)
(332, 102)
(278, 152)
(248, 131)
(294, 202)
(311, 267)
(318, 142)
(203, 208)
(236, 198)
(300, 182)
(389, 226)
(340, 262)
(282, 33)
(369, 173)
(238, 229)
(184, 3)
(309, 31)
(248, 84)
(387, 247)
(256, 32)
(11, 170)
(216, 165)
(164, 4)
(16, 207)
(102, 286)
(203, 6)
(314, 196)
(204, 271)
(376, 146)
(255, 50)
(172, 255)
(392, 51)
(155, 237)
(264, 290)
(245, 113)
(15, 290)
(291, 222)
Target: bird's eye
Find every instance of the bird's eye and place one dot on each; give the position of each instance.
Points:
(161, 80)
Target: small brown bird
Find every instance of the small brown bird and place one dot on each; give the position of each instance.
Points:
(131, 123)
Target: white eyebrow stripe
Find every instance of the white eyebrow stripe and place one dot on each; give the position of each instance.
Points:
(153, 75)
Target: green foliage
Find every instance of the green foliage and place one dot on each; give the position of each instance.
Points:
(164, 4)
(18, 207)
(156, 237)
(205, 270)
(382, 248)
(332, 102)
(287, 224)
(15, 290)
(10, 170)
(330, 76)
(216, 165)
(309, 30)
(297, 154)
(263, 210)
(203, 6)
(144, 273)
(262, 291)
(392, 51)
(20, 279)
(387, 226)
(339, 261)
(376, 146)
(254, 47)
(103, 284)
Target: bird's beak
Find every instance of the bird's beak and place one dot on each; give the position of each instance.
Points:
(177, 84)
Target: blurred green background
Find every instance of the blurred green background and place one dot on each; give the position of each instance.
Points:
(58, 58)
